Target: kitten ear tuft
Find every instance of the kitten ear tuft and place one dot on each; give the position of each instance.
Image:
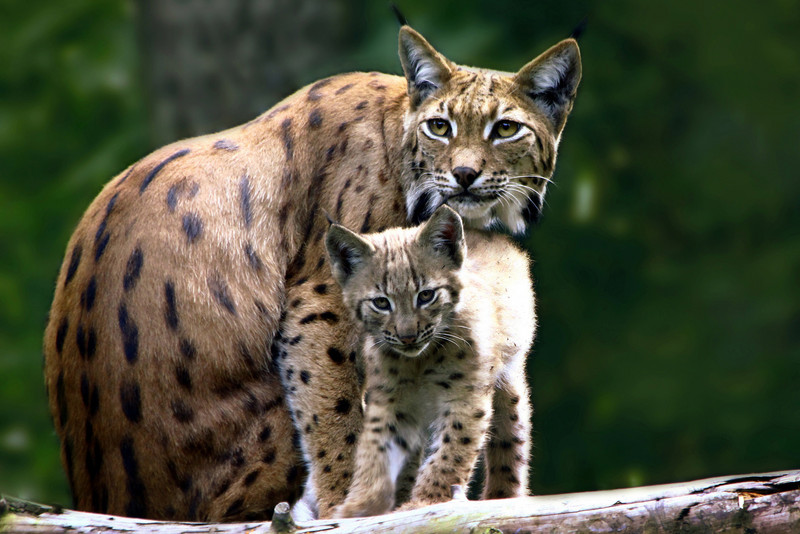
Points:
(444, 235)
(347, 252)
(551, 81)
(426, 70)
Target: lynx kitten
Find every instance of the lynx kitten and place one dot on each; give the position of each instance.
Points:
(446, 321)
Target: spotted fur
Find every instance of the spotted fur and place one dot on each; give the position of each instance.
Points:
(191, 343)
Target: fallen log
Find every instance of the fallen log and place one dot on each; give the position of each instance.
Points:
(763, 503)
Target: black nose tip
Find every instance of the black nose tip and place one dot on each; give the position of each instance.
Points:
(465, 176)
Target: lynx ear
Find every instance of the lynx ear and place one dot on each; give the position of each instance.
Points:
(347, 251)
(551, 80)
(443, 234)
(426, 69)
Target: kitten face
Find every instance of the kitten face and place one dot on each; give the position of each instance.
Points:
(402, 284)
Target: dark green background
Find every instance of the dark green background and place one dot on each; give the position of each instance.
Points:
(667, 265)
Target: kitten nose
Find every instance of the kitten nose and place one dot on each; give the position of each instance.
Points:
(407, 339)
(465, 176)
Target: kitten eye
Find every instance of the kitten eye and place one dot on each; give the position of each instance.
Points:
(382, 304)
(439, 127)
(505, 129)
(425, 296)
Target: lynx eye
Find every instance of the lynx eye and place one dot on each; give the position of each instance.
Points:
(425, 297)
(381, 304)
(439, 127)
(505, 129)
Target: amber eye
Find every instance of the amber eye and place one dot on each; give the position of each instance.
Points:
(425, 296)
(439, 127)
(382, 303)
(504, 129)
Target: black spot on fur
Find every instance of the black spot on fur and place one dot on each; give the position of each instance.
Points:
(295, 340)
(265, 433)
(171, 311)
(100, 246)
(343, 89)
(130, 334)
(192, 227)
(336, 355)
(188, 349)
(309, 318)
(313, 92)
(445, 385)
(269, 457)
(456, 376)
(315, 119)
(329, 317)
(131, 401)
(219, 289)
(244, 201)
(181, 411)
(305, 376)
(90, 294)
(251, 477)
(157, 169)
(133, 269)
(321, 289)
(343, 406)
(226, 144)
(288, 142)
(91, 342)
(74, 261)
(137, 506)
(61, 334)
(183, 377)
(252, 258)
(350, 439)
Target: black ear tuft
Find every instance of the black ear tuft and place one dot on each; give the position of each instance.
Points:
(401, 19)
(580, 29)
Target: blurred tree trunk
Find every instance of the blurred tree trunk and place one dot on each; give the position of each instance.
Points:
(213, 64)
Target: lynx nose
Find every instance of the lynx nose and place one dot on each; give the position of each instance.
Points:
(407, 339)
(465, 176)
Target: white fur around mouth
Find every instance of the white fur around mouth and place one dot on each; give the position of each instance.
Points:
(471, 206)
(410, 351)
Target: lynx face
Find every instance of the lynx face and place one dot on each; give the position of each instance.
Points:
(485, 141)
(402, 286)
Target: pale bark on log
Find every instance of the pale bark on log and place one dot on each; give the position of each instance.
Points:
(764, 503)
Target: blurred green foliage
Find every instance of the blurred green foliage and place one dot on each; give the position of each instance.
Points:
(667, 264)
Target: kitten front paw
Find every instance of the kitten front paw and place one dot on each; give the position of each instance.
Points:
(375, 501)
(418, 503)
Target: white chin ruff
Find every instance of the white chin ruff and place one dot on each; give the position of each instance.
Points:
(471, 210)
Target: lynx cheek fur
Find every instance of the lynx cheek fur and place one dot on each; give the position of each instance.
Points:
(198, 357)
(446, 323)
